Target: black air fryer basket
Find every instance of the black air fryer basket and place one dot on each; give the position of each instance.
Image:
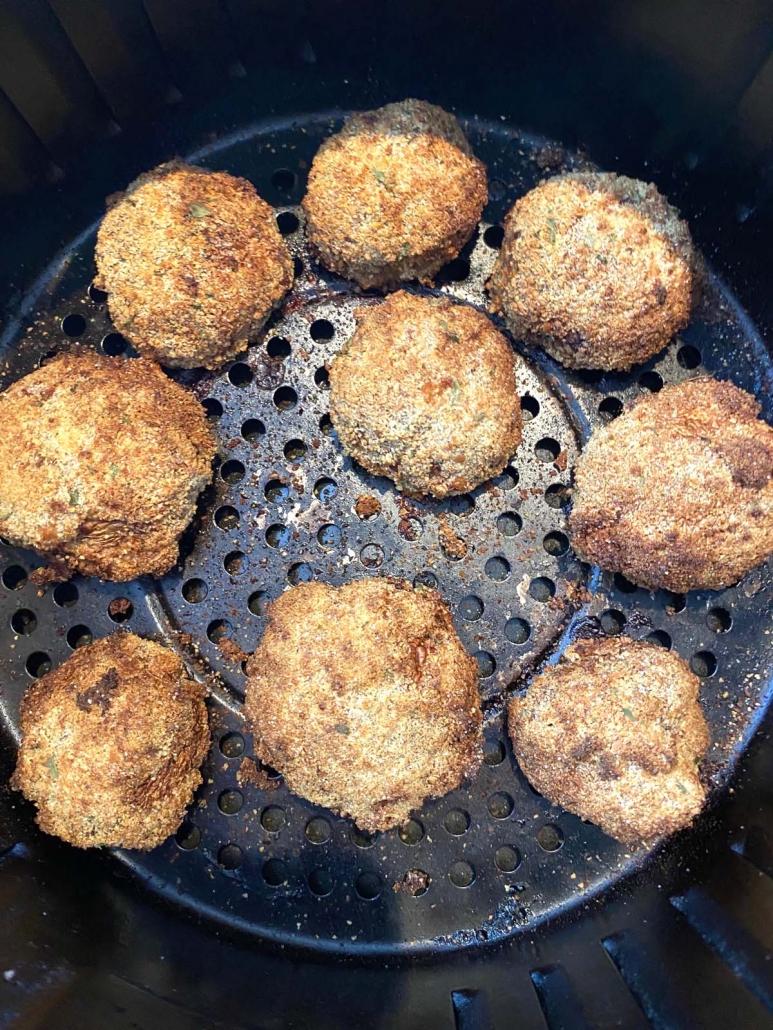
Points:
(265, 911)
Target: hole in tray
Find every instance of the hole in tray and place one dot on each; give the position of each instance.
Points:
(253, 429)
(65, 595)
(24, 622)
(471, 608)
(274, 872)
(14, 578)
(509, 523)
(226, 517)
(232, 745)
(493, 236)
(542, 589)
(612, 622)
(550, 838)
(556, 543)
(318, 830)
(461, 874)
(321, 882)
(114, 345)
(38, 664)
(500, 805)
(703, 664)
(411, 833)
(507, 859)
(497, 568)
(287, 223)
(230, 856)
(284, 180)
(194, 590)
(457, 822)
(79, 636)
(73, 325)
(321, 329)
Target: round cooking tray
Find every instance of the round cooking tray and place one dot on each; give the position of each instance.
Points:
(490, 858)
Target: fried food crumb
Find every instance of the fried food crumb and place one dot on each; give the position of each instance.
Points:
(253, 774)
(415, 882)
(367, 506)
(231, 650)
(452, 544)
(119, 608)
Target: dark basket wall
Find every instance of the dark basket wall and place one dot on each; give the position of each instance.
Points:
(676, 91)
(679, 91)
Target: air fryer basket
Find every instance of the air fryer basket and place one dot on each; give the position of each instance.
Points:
(526, 910)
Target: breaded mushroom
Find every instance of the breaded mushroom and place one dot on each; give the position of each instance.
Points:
(595, 268)
(193, 264)
(101, 462)
(112, 742)
(394, 195)
(380, 713)
(425, 393)
(614, 733)
(678, 491)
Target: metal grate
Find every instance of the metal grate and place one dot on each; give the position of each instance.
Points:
(495, 856)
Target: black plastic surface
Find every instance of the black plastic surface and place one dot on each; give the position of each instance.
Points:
(677, 92)
(284, 508)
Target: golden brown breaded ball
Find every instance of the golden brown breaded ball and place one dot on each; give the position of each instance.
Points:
(101, 462)
(394, 195)
(425, 393)
(678, 491)
(193, 264)
(364, 698)
(614, 733)
(112, 742)
(595, 268)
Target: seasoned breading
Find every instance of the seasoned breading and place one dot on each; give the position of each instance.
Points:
(615, 734)
(193, 264)
(101, 462)
(364, 698)
(112, 744)
(678, 491)
(595, 268)
(394, 195)
(425, 393)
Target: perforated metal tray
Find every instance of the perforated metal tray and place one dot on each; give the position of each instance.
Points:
(498, 857)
